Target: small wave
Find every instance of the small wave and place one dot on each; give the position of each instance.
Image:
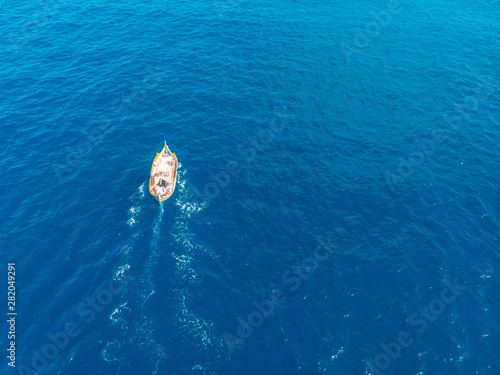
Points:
(198, 332)
(109, 352)
(121, 271)
(198, 327)
(187, 272)
(117, 318)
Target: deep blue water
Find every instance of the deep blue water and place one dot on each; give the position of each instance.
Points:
(338, 158)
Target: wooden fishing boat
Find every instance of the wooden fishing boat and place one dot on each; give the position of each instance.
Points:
(163, 175)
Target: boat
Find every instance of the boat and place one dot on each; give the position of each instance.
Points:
(163, 174)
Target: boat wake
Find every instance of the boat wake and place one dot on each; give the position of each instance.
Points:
(127, 320)
(196, 330)
(136, 199)
(136, 320)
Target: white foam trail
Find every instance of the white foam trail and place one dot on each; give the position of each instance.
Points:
(134, 211)
(182, 234)
(117, 319)
(197, 329)
(132, 322)
(120, 272)
(180, 231)
(122, 316)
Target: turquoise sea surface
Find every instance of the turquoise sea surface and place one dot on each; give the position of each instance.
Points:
(337, 203)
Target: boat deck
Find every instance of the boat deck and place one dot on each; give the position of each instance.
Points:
(163, 175)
